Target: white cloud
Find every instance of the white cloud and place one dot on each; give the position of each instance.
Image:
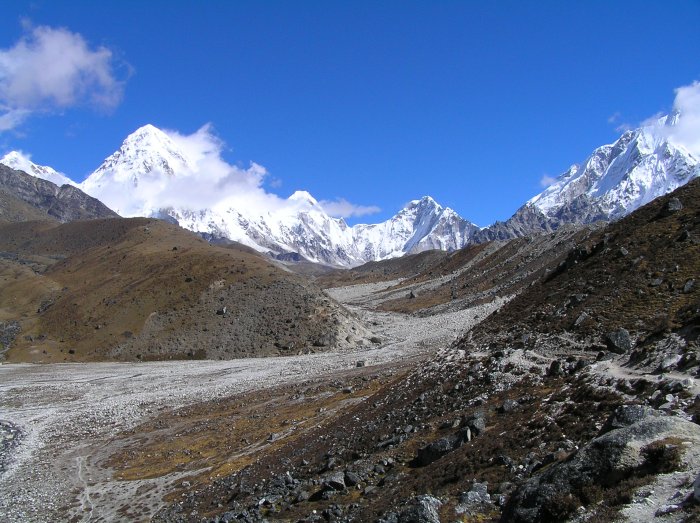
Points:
(204, 180)
(620, 126)
(547, 180)
(51, 69)
(341, 208)
(687, 130)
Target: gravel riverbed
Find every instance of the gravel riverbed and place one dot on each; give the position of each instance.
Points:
(57, 420)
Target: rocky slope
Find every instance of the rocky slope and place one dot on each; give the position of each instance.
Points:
(65, 203)
(142, 289)
(575, 401)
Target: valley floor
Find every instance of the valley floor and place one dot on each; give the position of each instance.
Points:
(61, 424)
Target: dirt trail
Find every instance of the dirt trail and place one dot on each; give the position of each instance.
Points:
(70, 414)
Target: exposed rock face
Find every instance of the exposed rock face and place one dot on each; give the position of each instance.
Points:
(604, 462)
(65, 203)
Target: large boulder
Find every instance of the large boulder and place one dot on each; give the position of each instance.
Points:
(604, 462)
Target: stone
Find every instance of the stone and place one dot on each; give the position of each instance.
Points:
(581, 318)
(351, 479)
(335, 481)
(421, 509)
(673, 206)
(670, 362)
(626, 415)
(696, 489)
(477, 424)
(477, 494)
(508, 406)
(435, 450)
(688, 286)
(619, 341)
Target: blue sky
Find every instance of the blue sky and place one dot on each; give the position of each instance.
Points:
(374, 102)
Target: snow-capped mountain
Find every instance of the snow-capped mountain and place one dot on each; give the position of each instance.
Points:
(615, 180)
(22, 162)
(149, 160)
(621, 177)
(201, 196)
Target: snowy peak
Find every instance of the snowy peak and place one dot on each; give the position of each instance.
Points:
(303, 199)
(620, 177)
(148, 151)
(22, 162)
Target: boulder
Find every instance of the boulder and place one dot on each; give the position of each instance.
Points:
(619, 341)
(435, 450)
(606, 460)
(335, 481)
(421, 509)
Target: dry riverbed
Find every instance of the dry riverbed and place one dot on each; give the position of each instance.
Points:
(60, 423)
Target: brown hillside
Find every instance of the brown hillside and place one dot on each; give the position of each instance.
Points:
(144, 289)
(639, 273)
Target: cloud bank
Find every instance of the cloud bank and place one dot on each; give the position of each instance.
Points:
(341, 208)
(547, 180)
(51, 69)
(687, 130)
(202, 179)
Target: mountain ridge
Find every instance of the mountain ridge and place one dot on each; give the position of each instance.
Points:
(613, 181)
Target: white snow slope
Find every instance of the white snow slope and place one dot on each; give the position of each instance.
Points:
(22, 162)
(621, 177)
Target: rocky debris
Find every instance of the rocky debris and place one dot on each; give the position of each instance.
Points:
(619, 341)
(9, 330)
(10, 438)
(638, 449)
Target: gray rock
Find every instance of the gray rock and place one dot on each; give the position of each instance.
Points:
(477, 423)
(688, 286)
(604, 461)
(619, 341)
(508, 406)
(626, 415)
(672, 206)
(437, 449)
(421, 509)
(581, 318)
(335, 481)
(696, 489)
(351, 479)
(477, 494)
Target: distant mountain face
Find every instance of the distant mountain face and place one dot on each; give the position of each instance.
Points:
(615, 180)
(66, 203)
(149, 157)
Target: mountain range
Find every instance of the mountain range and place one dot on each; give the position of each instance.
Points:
(613, 181)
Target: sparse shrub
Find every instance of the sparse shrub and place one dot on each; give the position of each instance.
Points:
(661, 456)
